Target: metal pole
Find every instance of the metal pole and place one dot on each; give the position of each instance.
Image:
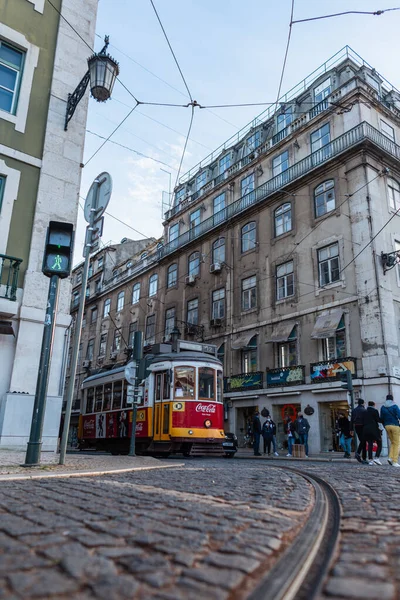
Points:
(35, 438)
(132, 448)
(77, 338)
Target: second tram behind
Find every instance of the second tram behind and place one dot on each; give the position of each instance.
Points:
(181, 409)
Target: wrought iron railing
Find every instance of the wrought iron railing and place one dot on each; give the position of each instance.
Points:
(284, 376)
(332, 370)
(9, 269)
(363, 131)
(243, 382)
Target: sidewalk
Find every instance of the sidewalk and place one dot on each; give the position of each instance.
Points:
(75, 465)
(320, 457)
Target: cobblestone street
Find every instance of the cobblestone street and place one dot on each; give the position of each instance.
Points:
(209, 529)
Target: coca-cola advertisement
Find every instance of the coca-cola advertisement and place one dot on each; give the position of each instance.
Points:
(195, 413)
(116, 424)
(89, 427)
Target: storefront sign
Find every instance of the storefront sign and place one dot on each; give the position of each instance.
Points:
(286, 376)
(245, 381)
(331, 371)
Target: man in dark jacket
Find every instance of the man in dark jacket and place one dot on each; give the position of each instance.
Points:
(256, 433)
(302, 427)
(371, 432)
(268, 431)
(345, 434)
(390, 415)
(357, 425)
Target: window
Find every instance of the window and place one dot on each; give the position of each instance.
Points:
(136, 293)
(387, 130)
(287, 351)
(280, 164)
(90, 400)
(153, 284)
(133, 327)
(89, 350)
(335, 347)
(194, 219)
(184, 382)
(192, 317)
(249, 293)
(218, 304)
(100, 262)
(120, 301)
(394, 193)
(150, 329)
(88, 291)
(173, 232)
(324, 198)
(201, 180)
(328, 264)
(322, 90)
(284, 281)
(2, 186)
(397, 248)
(284, 119)
(179, 196)
(103, 344)
(79, 277)
(218, 251)
(283, 219)
(194, 264)
(206, 383)
(90, 271)
(172, 275)
(247, 185)
(251, 143)
(107, 306)
(128, 264)
(97, 286)
(218, 206)
(249, 356)
(224, 163)
(93, 317)
(321, 138)
(143, 256)
(221, 353)
(11, 64)
(117, 341)
(248, 236)
(169, 323)
(84, 320)
(115, 273)
(75, 298)
(80, 353)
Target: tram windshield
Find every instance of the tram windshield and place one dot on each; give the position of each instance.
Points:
(184, 382)
(220, 383)
(206, 383)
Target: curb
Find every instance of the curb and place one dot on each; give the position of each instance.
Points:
(296, 459)
(21, 477)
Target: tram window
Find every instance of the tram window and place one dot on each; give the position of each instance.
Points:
(184, 382)
(117, 394)
(166, 418)
(125, 396)
(167, 386)
(107, 396)
(89, 400)
(158, 386)
(98, 398)
(206, 383)
(220, 388)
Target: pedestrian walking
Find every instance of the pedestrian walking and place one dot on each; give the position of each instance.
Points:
(268, 431)
(256, 433)
(371, 433)
(390, 415)
(345, 434)
(357, 425)
(302, 427)
(289, 428)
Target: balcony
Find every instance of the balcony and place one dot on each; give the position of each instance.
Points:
(286, 376)
(9, 269)
(352, 138)
(244, 382)
(331, 370)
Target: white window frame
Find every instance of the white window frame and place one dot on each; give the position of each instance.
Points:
(10, 194)
(222, 162)
(279, 162)
(136, 289)
(393, 193)
(169, 319)
(216, 250)
(170, 270)
(247, 185)
(249, 293)
(316, 143)
(153, 285)
(284, 119)
(389, 133)
(246, 239)
(329, 262)
(106, 307)
(284, 214)
(120, 301)
(322, 90)
(192, 308)
(103, 344)
(38, 5)
(218, 304)
(284, 274)
(173, 232)
(194, 263)
(325, 189)
(14, 38)
(201, 180)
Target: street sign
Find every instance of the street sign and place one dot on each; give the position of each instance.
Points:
(130, 373)
(130, 390)
(98, 196)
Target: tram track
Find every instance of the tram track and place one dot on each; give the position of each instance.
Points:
(302, 569)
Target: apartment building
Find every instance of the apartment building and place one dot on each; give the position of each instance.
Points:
(40, 171)
(272, 251)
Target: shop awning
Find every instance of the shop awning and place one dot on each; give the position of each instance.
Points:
(6, 328)
(327, 323)
(243, 340)
(281, 332)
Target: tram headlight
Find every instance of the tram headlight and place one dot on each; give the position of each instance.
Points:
(190, 432)
(207, 423)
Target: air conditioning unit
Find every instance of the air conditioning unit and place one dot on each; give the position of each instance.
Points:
(216, 268)
(113, 355)
(86, 364)
(216, 322)
(190, 280)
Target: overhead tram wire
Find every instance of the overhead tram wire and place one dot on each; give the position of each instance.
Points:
(376, 13)
(119, 220)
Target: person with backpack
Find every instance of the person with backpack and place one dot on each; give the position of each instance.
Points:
(390, 415)
(268, 431)
(357, 425)
(302, 427)
(371, 433)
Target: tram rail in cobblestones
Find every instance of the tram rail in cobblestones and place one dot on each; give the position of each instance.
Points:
(302, 569)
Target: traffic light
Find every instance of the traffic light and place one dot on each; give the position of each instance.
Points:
(347, 380)
(57, 258)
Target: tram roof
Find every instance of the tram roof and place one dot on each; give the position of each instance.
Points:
(185, 357)
(103, 374)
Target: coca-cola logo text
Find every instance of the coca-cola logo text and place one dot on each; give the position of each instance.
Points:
(139, 426)
(205, 408)
(88, 424)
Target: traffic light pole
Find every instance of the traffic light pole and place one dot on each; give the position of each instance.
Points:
(132, 447)
(77, 339)
(137, 355)
(35, 439)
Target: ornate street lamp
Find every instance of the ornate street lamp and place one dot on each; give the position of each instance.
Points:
(102, 73)
(390, 260)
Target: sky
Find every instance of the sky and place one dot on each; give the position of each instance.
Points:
(230, 53)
